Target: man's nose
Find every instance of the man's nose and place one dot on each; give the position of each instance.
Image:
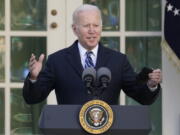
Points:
(92, 29)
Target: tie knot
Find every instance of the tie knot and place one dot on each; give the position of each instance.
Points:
(89, 53)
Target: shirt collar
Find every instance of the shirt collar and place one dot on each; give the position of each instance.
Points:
(83, 51)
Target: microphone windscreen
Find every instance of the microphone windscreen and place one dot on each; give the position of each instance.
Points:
(89, 72)
(103, 71)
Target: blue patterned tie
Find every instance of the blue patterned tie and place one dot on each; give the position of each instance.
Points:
(88, 60)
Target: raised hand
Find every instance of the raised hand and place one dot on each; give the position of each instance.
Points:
(154, 78)
(35, 66)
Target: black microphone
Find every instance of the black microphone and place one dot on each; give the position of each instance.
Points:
(143, 77)
(104, 77)
(89, 77)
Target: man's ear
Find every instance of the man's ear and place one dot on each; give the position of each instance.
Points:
(74, 28)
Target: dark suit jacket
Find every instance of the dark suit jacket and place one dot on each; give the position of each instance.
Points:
(63, 71)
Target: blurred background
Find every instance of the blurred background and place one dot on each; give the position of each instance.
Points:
(133, 27)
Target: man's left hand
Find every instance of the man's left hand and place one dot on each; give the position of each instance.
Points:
(155, 78)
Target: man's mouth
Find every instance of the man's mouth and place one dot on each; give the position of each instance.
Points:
(91, 38)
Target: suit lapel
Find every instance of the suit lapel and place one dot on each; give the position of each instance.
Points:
(73, 57)
(102, 57)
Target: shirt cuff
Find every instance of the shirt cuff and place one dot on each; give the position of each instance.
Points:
(33, 81)
(152, 89)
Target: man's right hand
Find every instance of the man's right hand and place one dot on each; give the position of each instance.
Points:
(35, 66)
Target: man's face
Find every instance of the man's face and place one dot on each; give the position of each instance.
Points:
(88, 28)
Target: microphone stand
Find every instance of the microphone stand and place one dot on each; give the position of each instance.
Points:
(96, 90)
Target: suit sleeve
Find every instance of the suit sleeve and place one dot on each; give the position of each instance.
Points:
(38, 91)
(138, 91)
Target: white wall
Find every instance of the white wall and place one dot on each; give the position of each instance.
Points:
(170, 98)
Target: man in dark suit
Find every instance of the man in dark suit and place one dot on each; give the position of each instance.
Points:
(63, 69)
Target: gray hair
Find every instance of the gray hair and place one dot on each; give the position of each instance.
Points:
(85, 7)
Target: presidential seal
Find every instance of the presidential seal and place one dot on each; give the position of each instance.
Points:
(96, 117)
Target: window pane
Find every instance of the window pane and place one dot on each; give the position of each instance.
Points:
(146, 51)
(2, 14)
(2, 114)
(28, 15)
(2, 59)
(111, 42)
(24, 118)
(110, 13)
(143, 15)
(21, 50)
